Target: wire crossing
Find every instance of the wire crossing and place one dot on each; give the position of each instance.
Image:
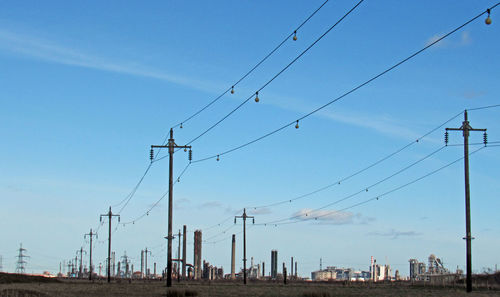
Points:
(296, 121)
(231, 89)
(256, 95)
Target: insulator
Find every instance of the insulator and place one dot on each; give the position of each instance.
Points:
(181, 126)
(257, 97)
(178, 179)
(151, 154)
(295, 35)
(297, 125)
(232, 90)
(235, 220)
(485, 138)
(253, 221)
(488, 19)
(118, 219)
(218, 158)
(190, 155)
(446, 138)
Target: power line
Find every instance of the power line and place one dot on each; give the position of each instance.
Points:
(344, 94)
(275, 76)
(378, 197)
(418, 140)
(158, 201)
(484, 107)
(231, 89)
(365, 189)
(338, 182)
(134, 189)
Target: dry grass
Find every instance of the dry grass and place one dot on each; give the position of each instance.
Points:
(223, 289)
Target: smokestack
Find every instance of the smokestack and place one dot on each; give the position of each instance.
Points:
(142, 264)
(155, 270)
(184, 252)
(295, 269)
(197, 254)
(291, 267)
(233, 254)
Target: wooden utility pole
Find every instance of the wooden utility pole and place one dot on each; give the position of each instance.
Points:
(466, 128)
(171, 149)
(91, 269)
(244, 217)
(110, 215)
(179, 259)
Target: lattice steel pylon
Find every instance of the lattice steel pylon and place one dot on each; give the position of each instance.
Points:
(21, 263)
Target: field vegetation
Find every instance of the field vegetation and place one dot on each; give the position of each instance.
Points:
(23, 286)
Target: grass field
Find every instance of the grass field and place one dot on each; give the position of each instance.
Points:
(82, 288)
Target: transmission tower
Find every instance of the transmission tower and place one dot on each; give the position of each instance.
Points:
(21, 263)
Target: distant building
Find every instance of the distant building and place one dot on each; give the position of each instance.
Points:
(419, 271)
(339, 274)
(212, 272)
(254, 271)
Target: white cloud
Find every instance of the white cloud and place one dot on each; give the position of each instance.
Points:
(325, 216)
(259, 211)
(46, 50)
(450, 42)
(211, 204)
(395, 234)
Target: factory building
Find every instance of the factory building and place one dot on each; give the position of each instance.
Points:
(254, 271)
(419, 271)
(212, 272)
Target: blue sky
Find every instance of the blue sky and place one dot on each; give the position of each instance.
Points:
(86, 88)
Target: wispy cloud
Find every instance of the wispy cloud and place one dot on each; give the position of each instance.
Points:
(50, 51)
(380, 123)
(464, 40)
(211, 204)
(333, 217)
(54, 52)
(473, 94)
(182, 203)
(259, 211)
(395, 234)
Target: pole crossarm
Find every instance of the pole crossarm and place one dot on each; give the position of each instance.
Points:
(110, 216)
(244, 217)
(171, 145)
(466, 128)
(90, 235)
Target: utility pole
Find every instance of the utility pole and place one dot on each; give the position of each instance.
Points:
(184, 252)
(179, 259)
(466, 128)
(80, 269)
(244, 217)
(110, 215)
(171, 148)
(90, 234)
(146, 261)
